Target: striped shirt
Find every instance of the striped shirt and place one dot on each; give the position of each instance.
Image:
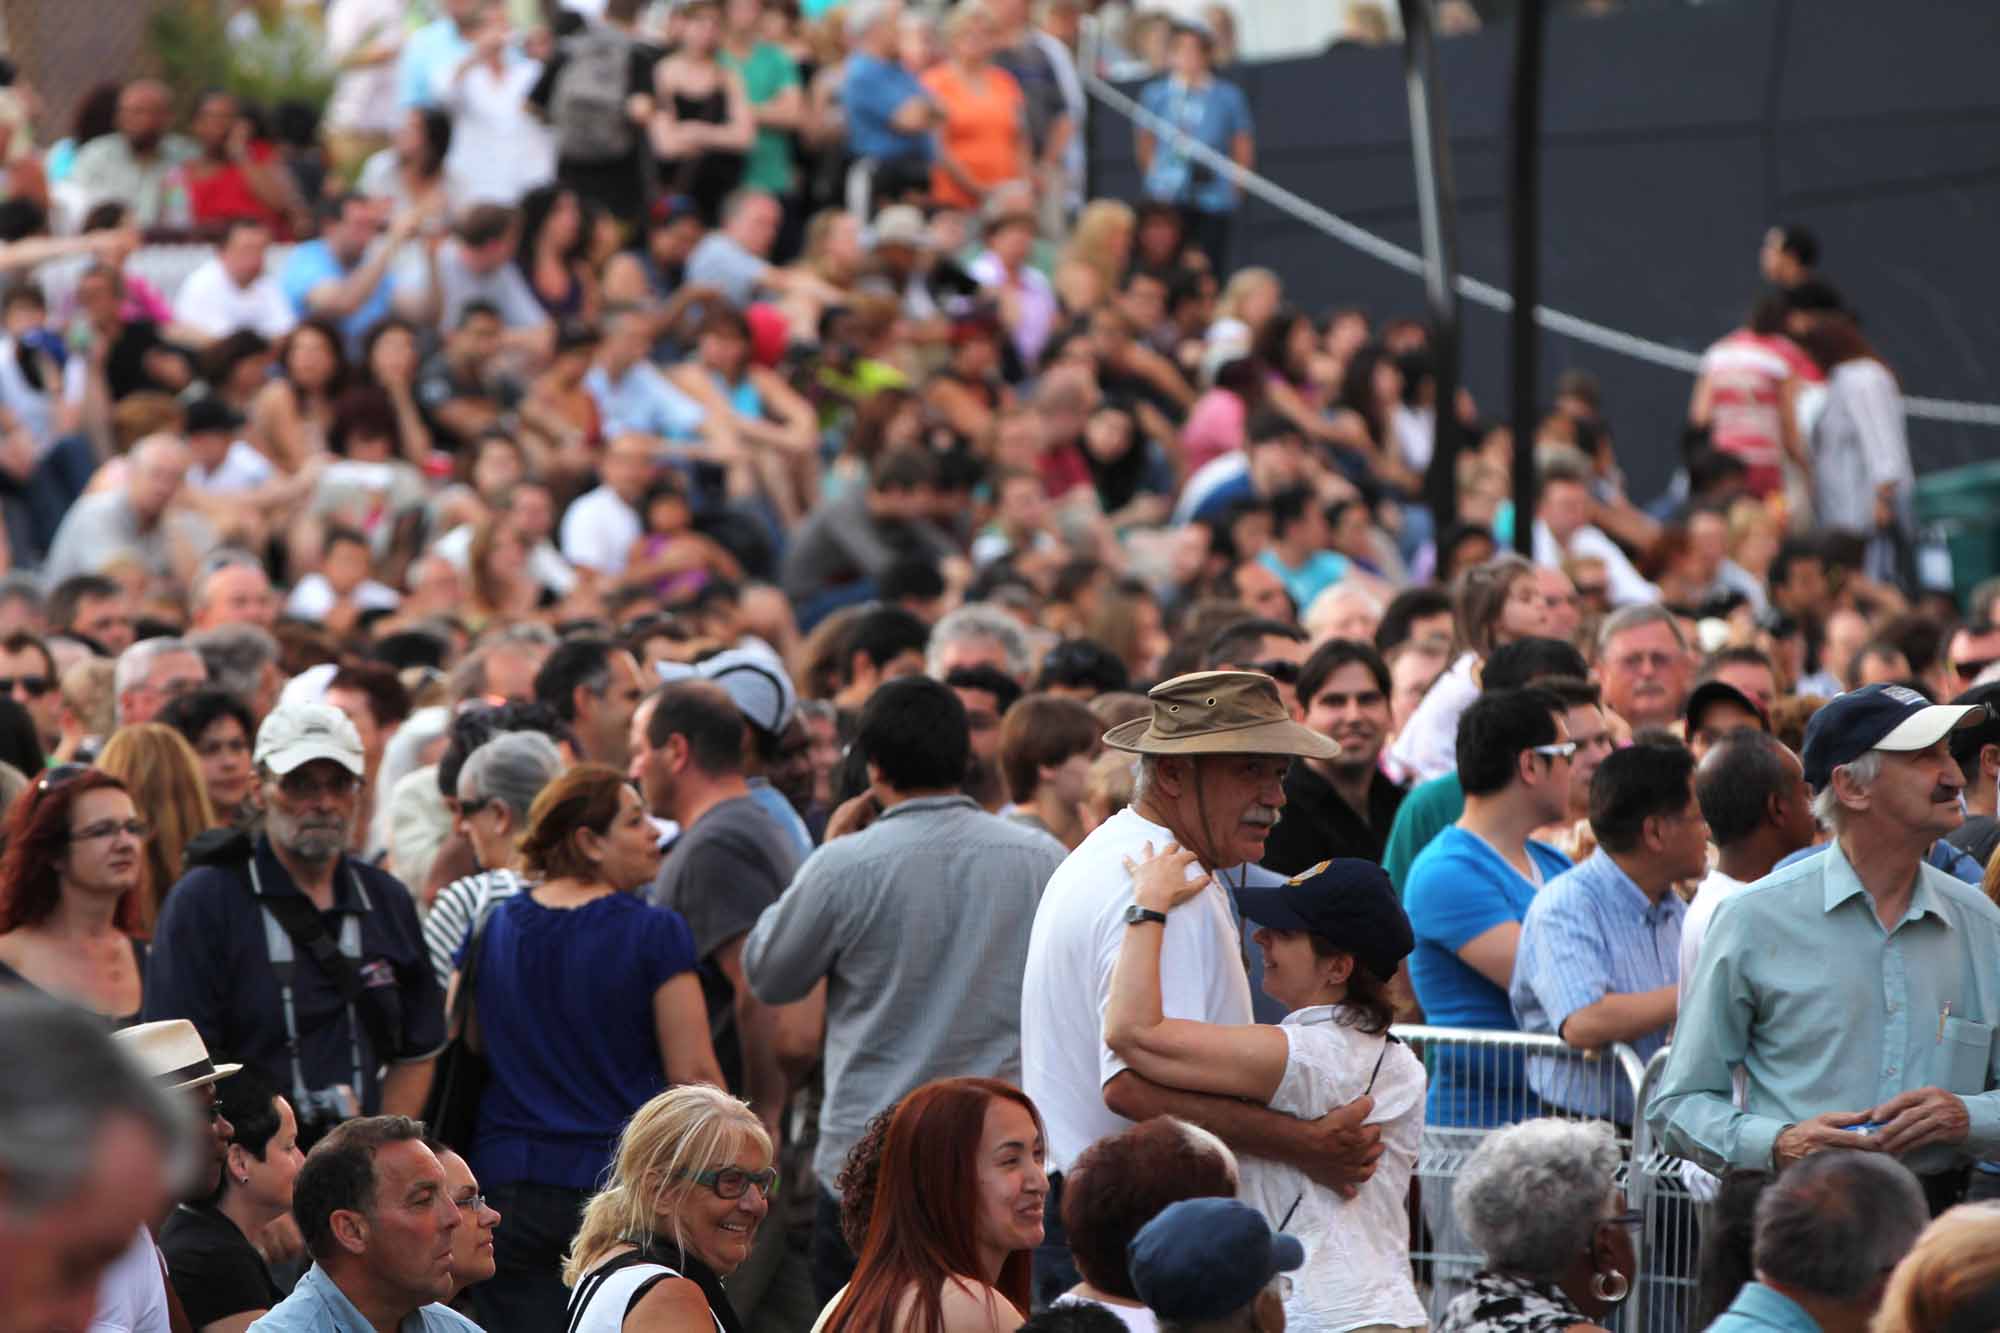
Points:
(1590, 933)
(457, 906)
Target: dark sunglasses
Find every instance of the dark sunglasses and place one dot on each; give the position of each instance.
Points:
(33, 686)
(1970, 670)
(1285, 673)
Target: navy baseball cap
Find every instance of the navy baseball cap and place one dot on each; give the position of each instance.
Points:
(1349, 902)
(1201, 1260)
(1877, 717)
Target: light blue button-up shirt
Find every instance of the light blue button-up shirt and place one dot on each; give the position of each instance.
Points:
(1800, 985)
(1759, 1309)
(1592, 932)
(318, 1306)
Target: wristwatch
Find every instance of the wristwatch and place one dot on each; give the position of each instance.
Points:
(1136, 915)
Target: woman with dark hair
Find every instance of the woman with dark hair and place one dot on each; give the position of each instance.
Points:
(1159, 238)
(1132, 479)
(1371, 389)
(472, 1242)
(291, 415)
(1494, 603)
(410, 172)
(391, 354)
(69, 893)
(211, 1245)
(1219, 421)
(956, 1216)
(569, 1063)
(1862, 481)
(1332, 939)
(552, 253)
(221, 731)
(702, 125)
(1120, 1183)
(96, 115)
(369, 485)
(236, 367)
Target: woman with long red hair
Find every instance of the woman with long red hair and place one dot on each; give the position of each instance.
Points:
(956, 1217)
(69, 901)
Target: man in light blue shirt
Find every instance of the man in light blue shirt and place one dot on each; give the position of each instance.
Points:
(433, 52)
(889, 115)
(631, 393)
(1857, 990)
(1828, 1232)
(1599, 960)
(378, 1220)
(337, 276)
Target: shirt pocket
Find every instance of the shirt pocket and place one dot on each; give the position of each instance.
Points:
(1963, 1056)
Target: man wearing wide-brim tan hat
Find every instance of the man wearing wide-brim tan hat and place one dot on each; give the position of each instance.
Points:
(1212, 760)
(134, 1292)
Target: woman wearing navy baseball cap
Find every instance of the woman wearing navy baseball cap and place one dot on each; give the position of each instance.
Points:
(1332, 938)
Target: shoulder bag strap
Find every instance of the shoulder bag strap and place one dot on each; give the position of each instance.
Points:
(300, 920)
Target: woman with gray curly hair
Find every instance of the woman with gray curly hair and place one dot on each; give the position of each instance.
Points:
(1541, 1201)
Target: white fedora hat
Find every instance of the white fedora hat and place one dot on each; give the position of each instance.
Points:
(172, 1052)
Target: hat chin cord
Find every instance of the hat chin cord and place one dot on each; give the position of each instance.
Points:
(1210, 857)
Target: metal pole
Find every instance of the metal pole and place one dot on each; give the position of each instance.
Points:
(1524, 217)
(1437, 211)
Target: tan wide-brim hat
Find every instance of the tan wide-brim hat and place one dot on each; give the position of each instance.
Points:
(1219, 712)
(172, 1053)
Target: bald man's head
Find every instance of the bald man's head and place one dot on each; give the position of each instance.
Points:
(158, 466)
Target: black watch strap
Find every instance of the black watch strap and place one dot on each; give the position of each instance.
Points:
(1136, 915)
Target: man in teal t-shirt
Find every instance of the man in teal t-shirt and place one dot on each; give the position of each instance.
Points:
(771, 81)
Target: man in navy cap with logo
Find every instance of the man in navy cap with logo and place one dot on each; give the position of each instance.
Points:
(288, 955)
(1213, 1263)
(1857, 989)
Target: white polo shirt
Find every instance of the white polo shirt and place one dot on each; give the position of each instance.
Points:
(1078, 931)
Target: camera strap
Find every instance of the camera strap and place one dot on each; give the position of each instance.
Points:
(292, 925)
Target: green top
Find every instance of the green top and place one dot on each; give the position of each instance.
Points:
(767, 72)
(1800, 987)
(1427, 811)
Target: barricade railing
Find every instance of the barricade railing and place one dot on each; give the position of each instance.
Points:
(1481, 1081)
(1670, 1192)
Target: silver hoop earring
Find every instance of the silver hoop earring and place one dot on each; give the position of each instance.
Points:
(1611, 1287)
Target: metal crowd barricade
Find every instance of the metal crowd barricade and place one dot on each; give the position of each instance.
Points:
(1481, 1081)
(1671, 1193)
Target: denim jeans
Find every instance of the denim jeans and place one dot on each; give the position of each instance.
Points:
(526, 1292)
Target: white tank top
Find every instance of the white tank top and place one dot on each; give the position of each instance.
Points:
(607, 1293)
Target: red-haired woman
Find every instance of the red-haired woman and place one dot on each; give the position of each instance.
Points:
(956, 1217)
(76, 851)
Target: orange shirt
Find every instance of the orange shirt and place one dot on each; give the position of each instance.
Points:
(983, 130)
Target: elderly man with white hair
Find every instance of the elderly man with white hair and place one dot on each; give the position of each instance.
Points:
(1212, 761)
(135, 520)
(1857, 989)
(152, 672)
(1344, 611)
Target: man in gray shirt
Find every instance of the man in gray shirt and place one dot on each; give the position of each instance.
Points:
(730, 862)
(918, 924)
(844, 545)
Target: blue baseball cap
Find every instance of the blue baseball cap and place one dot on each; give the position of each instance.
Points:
(1877, 717)
(1347, 901)
(1204, 1259)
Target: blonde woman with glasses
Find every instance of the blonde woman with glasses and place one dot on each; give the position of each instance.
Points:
(690, 1186)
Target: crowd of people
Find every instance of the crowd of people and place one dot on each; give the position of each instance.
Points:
(671, 605)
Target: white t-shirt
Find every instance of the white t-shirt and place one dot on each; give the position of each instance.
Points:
(132, 1294)
(1627, 586)
(1357, 1268)
(1136, 1318)
(1079, 928)
(598, 531)
(313, 597)
(1427, 747)
(211, 301)
(242, 469)
(545, 562)
(1710, 894)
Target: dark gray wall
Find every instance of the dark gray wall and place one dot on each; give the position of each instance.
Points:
(1672, 139)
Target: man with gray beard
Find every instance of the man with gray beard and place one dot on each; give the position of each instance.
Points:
(293, 958)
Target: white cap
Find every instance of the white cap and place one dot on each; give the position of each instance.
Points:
(755, 680)
(298, 733)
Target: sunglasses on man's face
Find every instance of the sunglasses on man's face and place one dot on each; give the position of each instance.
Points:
(32, 686)
(1973, 668)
